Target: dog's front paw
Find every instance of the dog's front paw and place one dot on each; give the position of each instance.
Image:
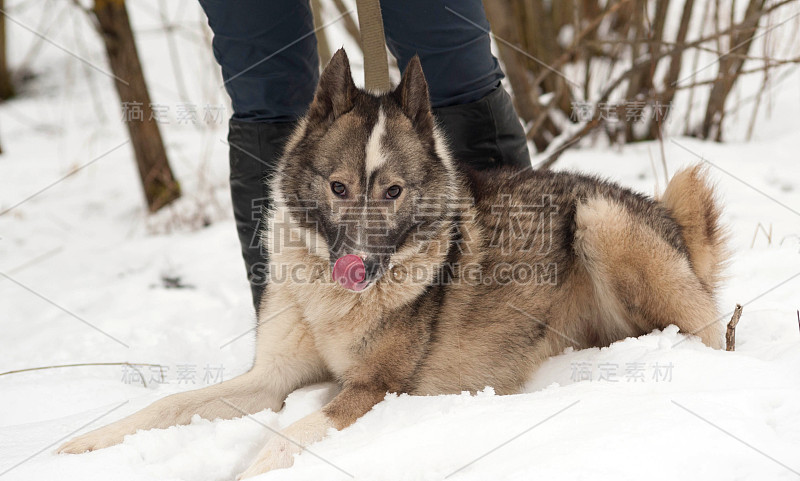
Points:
(97, 439)
(277, 454)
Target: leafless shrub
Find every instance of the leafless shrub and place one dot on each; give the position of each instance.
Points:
(586, 66)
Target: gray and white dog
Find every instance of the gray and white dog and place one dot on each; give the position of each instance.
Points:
(393, 271)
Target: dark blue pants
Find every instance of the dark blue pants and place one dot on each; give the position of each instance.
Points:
(268, 52)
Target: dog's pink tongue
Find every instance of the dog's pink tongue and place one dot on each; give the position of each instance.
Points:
(349, 271)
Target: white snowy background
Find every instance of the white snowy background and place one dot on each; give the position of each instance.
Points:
(84, 278)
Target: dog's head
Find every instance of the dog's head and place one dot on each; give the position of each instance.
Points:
(368, 172)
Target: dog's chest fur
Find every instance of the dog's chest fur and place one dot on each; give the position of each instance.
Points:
(346, 326)
(338, 337)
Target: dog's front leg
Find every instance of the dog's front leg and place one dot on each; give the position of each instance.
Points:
(349, 405)
(286, 358)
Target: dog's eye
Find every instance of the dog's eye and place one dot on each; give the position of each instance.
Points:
(393, 192)
(339, 189)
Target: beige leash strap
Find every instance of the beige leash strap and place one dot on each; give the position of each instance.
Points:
(373, 45)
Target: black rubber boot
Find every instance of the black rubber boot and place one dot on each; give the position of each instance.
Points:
(486, 133)
(254, 151)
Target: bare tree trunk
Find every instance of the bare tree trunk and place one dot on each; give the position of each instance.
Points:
(542, 43)
(645, 88)
(729, 68)
(499, 13)
(500, 16)
(160, 186)
(675, 63)
(635, 82)
(6, 87)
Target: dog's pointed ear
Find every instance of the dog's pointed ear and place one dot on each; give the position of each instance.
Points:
(412, 95)
(336, 91)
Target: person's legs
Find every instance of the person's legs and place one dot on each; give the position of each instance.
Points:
(268, 54)
(451, 38)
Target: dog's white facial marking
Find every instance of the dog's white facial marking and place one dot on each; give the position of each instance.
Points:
(440, 144)
(375, 157)
(297, 135)
(442, 150)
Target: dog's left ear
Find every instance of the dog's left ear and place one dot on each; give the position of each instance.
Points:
(335, 92)
(412, 95)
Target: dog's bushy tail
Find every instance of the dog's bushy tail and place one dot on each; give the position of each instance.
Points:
(691, 201)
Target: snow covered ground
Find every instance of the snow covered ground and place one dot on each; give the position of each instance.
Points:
(86, 276)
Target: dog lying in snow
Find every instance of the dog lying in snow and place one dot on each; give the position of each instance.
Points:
(407, 275)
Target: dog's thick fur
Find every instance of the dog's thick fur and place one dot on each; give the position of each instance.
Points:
(609, 263)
